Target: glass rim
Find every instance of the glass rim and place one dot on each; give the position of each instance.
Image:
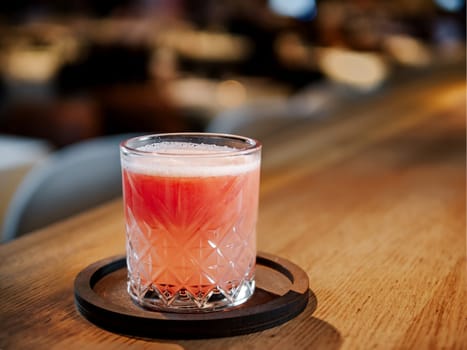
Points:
(253, 145)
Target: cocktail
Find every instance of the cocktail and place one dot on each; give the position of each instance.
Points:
(191, 202)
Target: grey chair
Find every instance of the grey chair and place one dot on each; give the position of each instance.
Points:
(69, 181)
(265, 118)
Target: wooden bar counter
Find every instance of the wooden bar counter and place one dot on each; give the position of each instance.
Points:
(370, 203)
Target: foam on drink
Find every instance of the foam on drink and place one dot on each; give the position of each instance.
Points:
(184, 159)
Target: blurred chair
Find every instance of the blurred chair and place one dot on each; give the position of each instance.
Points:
(19, 156)
(253, 120)
(69, 181)
(268, 117)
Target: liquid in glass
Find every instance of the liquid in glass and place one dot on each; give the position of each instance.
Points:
(191, 225)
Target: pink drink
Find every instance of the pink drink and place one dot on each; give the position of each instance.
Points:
(191, 225)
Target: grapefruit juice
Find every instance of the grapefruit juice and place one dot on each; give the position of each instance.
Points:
(190, 212)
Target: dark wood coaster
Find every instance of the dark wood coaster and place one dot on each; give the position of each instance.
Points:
(282, 292)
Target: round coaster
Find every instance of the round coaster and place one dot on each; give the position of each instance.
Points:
(281, 293)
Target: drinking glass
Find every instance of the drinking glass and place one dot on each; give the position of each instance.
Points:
(190, 203)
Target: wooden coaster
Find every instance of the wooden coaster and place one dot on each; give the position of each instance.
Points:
(281, 293)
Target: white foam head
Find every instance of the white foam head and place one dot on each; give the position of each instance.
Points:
(190, 160)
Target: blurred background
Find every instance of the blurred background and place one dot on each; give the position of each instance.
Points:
(77, 70)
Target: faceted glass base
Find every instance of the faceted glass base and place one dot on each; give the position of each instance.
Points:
(184, 301)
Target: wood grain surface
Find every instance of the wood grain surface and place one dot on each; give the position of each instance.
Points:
(370, 203)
